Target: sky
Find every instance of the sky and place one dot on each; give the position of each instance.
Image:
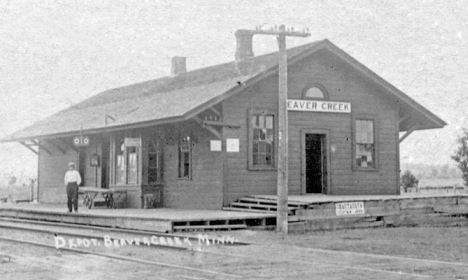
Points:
(54, 54)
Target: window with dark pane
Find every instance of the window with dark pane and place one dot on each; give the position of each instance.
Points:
(154, 163)
(262, 139)
(184, 157)
(132, 165)
(126, 161)
(365, 146)
(120, 161)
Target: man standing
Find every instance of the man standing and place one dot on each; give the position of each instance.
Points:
(72, 181)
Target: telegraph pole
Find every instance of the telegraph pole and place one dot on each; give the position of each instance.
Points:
(282, 185)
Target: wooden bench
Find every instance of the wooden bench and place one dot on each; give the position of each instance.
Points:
(90, 194)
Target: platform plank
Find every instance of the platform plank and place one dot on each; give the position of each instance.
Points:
(452, 209)
(246, 210)
(204, 227)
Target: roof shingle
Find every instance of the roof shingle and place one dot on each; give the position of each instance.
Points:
(172, 98)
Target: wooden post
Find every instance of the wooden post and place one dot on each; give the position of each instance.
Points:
(282, 179)
(282, 185)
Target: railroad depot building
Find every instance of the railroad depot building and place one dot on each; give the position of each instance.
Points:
(202, 139)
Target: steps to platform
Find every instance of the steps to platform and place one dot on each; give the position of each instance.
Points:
(267, 201)
(262, 205)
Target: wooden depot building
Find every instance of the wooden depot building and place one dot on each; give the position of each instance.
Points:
(202, 139)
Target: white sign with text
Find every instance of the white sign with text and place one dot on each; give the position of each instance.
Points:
(133, 142)
(319, 106)
(350, 208)
(232, 145)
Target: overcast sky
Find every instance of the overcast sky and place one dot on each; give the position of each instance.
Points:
(54, 54)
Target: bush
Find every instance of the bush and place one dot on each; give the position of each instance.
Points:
(408, 180)
(461, 156)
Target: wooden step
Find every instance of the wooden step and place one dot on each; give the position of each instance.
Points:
(258, 206)
(207, 227)
(271, 201)
(247, 210)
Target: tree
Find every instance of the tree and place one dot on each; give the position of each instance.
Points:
(12, 180)
(461, 156)
(408, 180)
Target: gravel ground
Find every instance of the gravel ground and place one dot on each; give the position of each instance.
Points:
(382, 253)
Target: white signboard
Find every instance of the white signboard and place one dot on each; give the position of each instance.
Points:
(319, 106)
(350, 208)
(215, 145)
(232, 145)
(133, 142)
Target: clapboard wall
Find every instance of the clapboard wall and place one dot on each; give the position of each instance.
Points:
(53, 164)
(343, 83)
(204, 190)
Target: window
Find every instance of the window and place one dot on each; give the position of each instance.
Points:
(365, 156)
(126, 160)
(315, 92)
(131, 165)
(185, 157)
(120, 162)
(262, 143)
(154, 163)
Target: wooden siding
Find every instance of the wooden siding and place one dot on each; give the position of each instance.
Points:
(51, 170)
(204, 190)
(342, 83)
(241, 181)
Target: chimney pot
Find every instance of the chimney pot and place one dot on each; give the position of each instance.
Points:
(244, 44)
(178, 65)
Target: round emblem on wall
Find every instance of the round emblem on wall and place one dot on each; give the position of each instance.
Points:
(81, 141)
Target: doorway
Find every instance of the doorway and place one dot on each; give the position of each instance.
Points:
(315, 174)
(82, 165)
(105, 153)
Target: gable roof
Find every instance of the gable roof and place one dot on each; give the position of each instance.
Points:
(177, 98)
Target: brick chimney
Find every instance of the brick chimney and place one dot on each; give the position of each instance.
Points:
(178, 65)
(244, 44)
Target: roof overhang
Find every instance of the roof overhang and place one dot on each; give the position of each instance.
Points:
(413, 116)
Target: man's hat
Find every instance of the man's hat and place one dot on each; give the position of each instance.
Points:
(71, 164)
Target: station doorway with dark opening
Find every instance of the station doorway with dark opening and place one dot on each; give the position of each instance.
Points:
(315, 163)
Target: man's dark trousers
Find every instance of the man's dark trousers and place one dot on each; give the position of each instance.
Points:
(72, 194)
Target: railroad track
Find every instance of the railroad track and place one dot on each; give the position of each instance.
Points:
(46, 234)
(200, 273)
(157, 239)
(240, 262)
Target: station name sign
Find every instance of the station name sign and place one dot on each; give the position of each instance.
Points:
(319, 106)
(350, 208)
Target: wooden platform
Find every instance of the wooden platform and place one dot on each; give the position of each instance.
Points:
(161, 220)
(319, 212)
(306, 213)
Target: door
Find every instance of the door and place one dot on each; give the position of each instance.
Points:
(104, 164)
(82, 165)
(315, 163)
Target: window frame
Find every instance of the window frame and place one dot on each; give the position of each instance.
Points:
(157, 154)
(250, 165)
(116, 145)
(179, 156)
(315, 85)
(375, 124)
